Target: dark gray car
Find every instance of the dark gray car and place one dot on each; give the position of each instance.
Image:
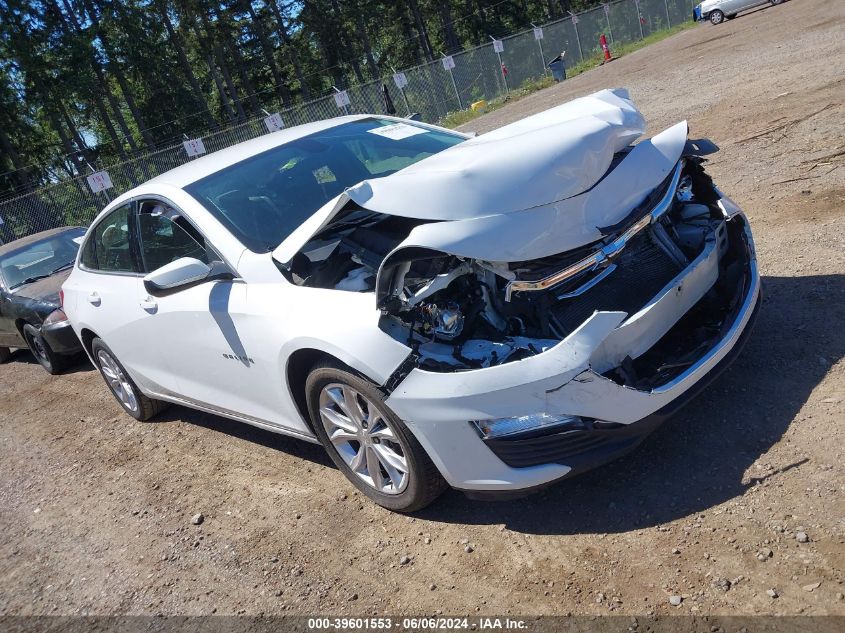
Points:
(32, 270)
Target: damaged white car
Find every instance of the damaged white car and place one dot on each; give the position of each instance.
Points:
(491, 313)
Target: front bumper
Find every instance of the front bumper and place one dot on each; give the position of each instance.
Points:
(61, 338)
(588, 449)
(567, 379)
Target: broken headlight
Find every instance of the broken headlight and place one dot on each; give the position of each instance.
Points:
(500, 427)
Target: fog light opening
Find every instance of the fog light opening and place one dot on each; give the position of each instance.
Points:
(501, 427)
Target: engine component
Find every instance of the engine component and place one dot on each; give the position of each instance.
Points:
(447, 323)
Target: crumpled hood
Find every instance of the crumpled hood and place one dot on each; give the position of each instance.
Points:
(544, 158)
(527, 190)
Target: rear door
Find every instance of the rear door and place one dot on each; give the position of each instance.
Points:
(105, 292)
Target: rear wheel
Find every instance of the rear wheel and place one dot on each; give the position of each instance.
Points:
(51, 361)
(775, 2)
(123, 388)
(5, 354)
(716, 17)
(368, 442)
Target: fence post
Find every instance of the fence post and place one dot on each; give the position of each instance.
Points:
(449, 64)
(402, 90)
(501, 65)
(639, 18)
(668, 19)
(405, 99)
(607, 17)
(577, 36)
(457, 94)
(540, 44)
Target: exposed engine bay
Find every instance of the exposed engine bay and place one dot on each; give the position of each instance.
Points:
(458, 313)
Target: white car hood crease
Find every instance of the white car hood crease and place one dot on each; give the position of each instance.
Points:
(527, 190)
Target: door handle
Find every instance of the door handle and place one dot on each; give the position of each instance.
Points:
(94, 299)
(149, 304)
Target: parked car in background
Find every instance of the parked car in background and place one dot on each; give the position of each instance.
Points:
(491, 313)
(716, 11)
(32, 270)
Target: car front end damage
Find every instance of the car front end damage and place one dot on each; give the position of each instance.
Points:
(688, 279)
(604, 312)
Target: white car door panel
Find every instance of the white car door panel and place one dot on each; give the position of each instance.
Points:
(202, 338)
(198, 329)
(105, 290)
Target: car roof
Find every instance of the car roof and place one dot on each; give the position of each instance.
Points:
(35, 237)
(199, 168)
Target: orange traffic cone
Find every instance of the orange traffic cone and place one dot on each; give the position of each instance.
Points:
(605, 48)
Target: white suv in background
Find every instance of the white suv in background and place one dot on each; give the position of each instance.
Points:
(490, 313)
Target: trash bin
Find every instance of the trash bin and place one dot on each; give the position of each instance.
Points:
(558, 69)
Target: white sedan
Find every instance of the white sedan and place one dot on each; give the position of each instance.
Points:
(491, 313)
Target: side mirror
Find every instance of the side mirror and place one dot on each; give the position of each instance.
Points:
(184, 273)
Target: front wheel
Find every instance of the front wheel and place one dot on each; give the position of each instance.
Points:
(51, 361)
(716, 17)
(122, 387)
(775, 2)
(368, 442)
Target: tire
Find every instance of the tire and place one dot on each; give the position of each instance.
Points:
(775, 2)
(384, 442)
(52, 362)
(5, 354)
(121, 385)
(716, 17)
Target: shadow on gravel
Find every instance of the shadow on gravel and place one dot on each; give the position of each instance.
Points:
(699, 458)
(81, 362)
(275, 441)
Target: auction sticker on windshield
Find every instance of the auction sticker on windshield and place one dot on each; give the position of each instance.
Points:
(397, 131)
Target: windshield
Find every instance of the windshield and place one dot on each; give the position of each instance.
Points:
(40, 259)
(264, 198)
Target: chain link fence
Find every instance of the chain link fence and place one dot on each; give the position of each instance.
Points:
(432, 91)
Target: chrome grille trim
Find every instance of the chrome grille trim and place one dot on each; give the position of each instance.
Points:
(606, 254)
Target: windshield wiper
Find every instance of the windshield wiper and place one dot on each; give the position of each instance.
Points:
(30, 280)
(61, 268)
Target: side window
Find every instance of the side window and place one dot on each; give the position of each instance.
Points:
(108, 248)
(166, 236)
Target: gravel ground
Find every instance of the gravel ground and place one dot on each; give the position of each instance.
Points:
(734, 507)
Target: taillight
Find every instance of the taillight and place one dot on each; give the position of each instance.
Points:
(61, 298)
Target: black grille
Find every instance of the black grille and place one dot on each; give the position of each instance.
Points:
(642, 270)
(578, 449)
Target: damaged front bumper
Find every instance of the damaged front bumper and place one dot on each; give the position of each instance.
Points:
(604, 373)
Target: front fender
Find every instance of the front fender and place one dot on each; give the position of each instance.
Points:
(345, 326)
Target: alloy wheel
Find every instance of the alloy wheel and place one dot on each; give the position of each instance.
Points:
(117, 381)
(361, 435)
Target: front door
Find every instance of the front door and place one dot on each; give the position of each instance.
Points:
(198, 331)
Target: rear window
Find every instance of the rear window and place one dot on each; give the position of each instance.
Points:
(263, 199)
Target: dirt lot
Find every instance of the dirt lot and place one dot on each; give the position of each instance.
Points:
(95, 509)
